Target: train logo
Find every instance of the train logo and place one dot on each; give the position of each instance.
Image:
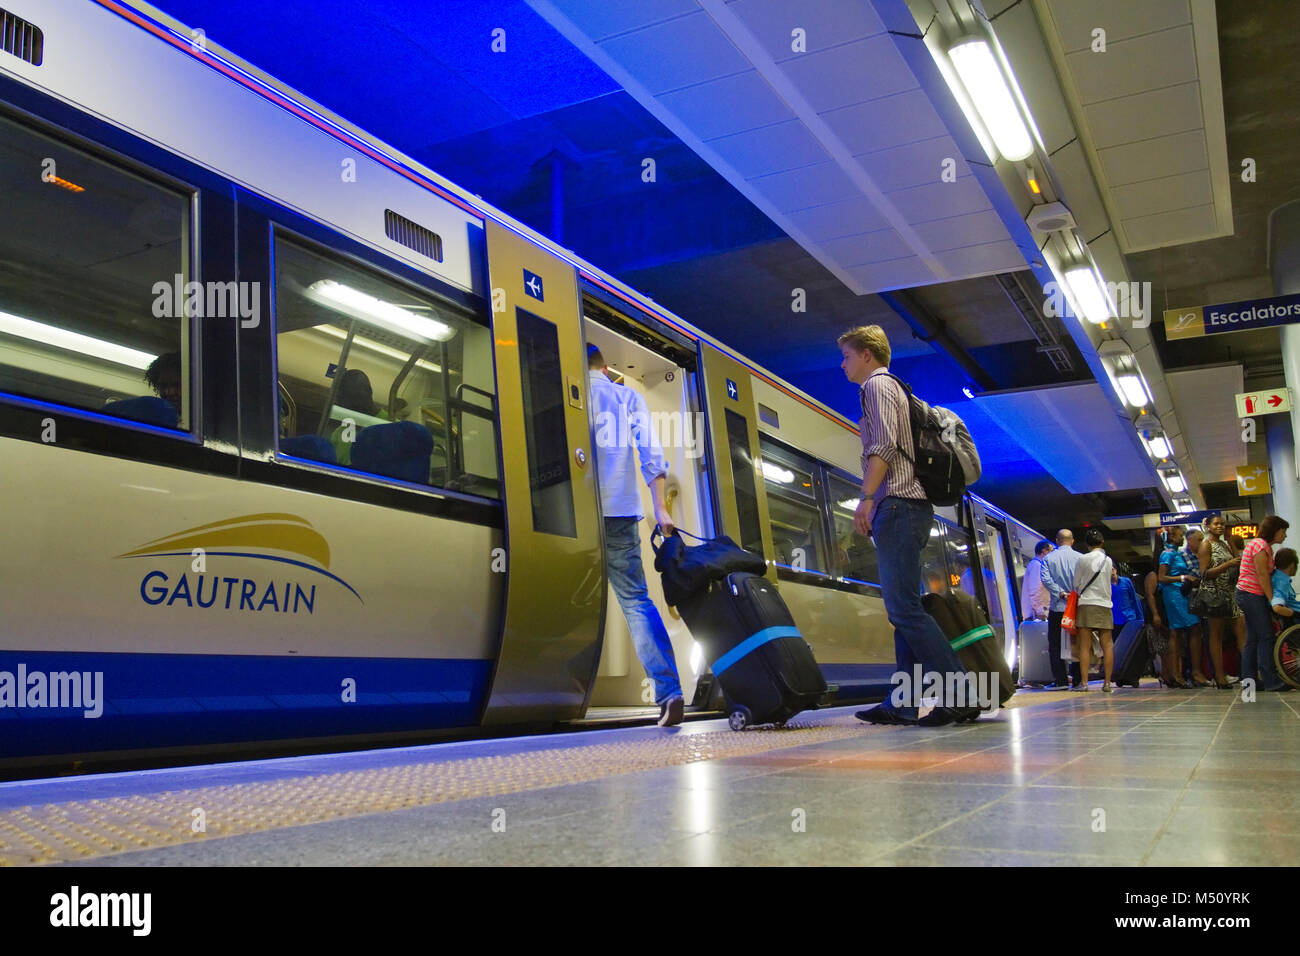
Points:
(288, 542)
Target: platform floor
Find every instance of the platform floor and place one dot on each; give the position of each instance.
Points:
(1142, 777)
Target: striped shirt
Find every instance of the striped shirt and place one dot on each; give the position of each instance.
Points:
(1248, 580)
(886, 429)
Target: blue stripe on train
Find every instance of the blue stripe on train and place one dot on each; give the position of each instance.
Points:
(172, 700)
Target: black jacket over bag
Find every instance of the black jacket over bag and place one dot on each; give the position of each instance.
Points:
(689, 570)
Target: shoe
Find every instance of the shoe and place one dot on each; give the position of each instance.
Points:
(1234, 679)
(1080, 688)
(940, 717)
(1108, 688)
(1226, 685)
(1055, 686)
(671, 712)
(883, 715)
(1202, 682)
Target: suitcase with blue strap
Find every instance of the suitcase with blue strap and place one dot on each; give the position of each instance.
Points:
(765, 667)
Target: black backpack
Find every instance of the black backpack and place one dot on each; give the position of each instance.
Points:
(946, 460)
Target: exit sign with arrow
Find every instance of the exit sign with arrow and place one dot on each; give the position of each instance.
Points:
(1250, 404)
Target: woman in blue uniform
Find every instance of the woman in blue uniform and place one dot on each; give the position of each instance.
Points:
(1175, 574)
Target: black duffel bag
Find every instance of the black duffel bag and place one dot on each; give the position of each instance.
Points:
(687, 570)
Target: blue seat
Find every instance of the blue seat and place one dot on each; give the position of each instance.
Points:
(312, 447)
(402, 450)
(146, 409)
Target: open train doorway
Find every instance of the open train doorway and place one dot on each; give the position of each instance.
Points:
(663, 374)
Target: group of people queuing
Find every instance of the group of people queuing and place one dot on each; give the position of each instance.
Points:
(1206, 581)
(1207, 589)
(1107, 601)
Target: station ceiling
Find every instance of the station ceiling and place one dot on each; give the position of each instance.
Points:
(776, 172)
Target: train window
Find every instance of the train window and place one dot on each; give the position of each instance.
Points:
(936, 573)
(544, 427)
(798, 532)
(379, 378)
(94, 264)
(854, 554)
(742, 473)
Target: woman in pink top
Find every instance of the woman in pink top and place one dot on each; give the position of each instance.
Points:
(1255, 597)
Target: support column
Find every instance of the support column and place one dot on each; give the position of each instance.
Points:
(1284, 261)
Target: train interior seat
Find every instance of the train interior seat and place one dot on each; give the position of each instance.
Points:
(402, 450)
(311, 447)
(146, 409)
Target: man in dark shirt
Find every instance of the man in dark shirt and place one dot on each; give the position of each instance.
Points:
(896, 513)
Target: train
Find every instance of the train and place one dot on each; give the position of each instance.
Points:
(295, 442)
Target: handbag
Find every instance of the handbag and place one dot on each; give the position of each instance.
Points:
(1072, 604)
(1210, 602)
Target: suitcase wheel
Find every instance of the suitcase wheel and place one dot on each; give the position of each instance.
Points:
(739, 717)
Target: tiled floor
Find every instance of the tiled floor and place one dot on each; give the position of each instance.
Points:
(1146, 776)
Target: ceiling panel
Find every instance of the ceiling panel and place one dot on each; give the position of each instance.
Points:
(863, 70)
(1075, 433)
(1121, 19)
(728, 105)
(913, 164)
(1167, 227)
(1154, 158)
(832, 220)
(770, 149)
(699, 52)
(870, 247)
(983, 259)
(1164, 194)
(1135, 66)
(804, 187)
(605, 19)
(826, 23)
(884, 122)
(938, 200)
(1203, 399)
(1174, 109)
(970, 229)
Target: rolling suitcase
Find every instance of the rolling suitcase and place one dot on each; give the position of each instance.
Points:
(967, 628)
(1132, 655)
(760, 659)
(1035, 662)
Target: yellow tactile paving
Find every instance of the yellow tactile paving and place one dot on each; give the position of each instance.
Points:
(79, 830)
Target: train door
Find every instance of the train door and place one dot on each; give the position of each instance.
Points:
(555, 571)
(740, 504)
(662, 374)
(995, 553)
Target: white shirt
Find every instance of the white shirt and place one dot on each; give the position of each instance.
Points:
(621, 430)
(1097, 593)
(1034, 599)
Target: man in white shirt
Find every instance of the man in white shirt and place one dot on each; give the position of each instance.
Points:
(622, 432)
(1035, 601)
(1058, 577)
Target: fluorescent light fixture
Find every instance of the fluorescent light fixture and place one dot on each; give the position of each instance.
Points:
(357, 304)
(773, 472)
(1159, 447)
(74, 341)
(978, 69)
(967, 391)
(362, 341)
(1134, 389)
(1186, 507)
(1174, 482)
(1088, 294)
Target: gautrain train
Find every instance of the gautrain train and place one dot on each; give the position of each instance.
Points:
(355, 501)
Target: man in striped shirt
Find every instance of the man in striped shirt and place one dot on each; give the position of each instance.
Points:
(897, 515)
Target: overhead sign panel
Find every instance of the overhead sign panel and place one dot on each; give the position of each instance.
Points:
(1186, 517)
(1231, 317)
(1253, 480)
(1263, 403)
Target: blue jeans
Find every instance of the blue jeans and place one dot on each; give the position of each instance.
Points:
(1257, 657)
(900, 532)
(649, 636)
